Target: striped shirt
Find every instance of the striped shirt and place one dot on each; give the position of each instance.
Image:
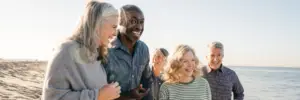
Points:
(223, 82)
(198, 89)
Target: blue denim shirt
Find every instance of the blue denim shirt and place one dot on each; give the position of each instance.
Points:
(130, 70)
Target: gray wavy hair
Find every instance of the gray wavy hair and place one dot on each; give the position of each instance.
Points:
(86, 34)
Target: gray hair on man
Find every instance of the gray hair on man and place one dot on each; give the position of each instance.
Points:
(216, 44)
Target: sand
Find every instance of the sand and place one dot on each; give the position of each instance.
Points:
(21, 80)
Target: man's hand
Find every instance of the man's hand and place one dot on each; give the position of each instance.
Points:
(139, 92)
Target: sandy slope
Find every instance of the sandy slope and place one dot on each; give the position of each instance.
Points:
(21, 80)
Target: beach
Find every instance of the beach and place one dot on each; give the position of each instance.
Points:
(22, 80)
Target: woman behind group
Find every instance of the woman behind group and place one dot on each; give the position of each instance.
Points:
(75, 71)
(182, 81)
(159, 60)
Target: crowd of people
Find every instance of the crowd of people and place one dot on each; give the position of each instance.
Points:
(105, 59)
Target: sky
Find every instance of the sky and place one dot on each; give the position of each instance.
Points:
(254, 32)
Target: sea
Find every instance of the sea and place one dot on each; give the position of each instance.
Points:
(269, 83)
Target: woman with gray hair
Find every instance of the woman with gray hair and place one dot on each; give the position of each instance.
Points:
(75, 71)
(159, 60)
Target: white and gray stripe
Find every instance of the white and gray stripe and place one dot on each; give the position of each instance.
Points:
(196, 90)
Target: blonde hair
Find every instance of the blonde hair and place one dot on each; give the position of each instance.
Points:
(171, 75)
(86, 34)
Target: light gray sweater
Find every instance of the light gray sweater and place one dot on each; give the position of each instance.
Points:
(67, 78)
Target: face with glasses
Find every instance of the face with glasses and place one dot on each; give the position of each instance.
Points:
(133, 21)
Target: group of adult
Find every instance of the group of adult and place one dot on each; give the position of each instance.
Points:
(105, 59)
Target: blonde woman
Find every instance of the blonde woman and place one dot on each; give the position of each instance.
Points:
(182, 80)
(75, 71)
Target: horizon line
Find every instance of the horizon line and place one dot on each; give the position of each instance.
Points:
(227, 65)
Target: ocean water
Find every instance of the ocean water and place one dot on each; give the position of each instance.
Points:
(269, 83)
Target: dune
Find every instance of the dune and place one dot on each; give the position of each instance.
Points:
(21, 80)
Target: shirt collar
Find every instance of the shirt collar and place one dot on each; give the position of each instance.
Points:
(117, 44)
(220, 69)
